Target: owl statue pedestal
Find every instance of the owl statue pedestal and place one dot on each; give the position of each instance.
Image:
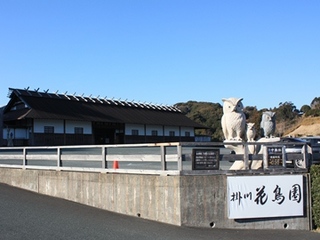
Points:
(256, 164)
(237, 148)
(266, 140)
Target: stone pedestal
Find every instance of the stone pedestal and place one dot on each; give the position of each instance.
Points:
(252, 149)
(237, 148)
(266, 140)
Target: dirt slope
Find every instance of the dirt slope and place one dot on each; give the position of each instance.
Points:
(307, 127)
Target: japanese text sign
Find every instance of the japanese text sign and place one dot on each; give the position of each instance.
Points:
(275, 156)
(205, 159)
(265, 196)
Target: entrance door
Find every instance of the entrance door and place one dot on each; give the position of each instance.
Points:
(107, 133)
(103, 136)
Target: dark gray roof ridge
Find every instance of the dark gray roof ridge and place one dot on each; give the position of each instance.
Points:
(74, 97)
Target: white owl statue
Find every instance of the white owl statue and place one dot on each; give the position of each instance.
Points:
(251, 132)
(268, 124)
(233, 120)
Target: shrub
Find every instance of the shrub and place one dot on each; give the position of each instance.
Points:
(315, 194)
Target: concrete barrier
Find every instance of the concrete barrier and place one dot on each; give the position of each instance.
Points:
(197, 201)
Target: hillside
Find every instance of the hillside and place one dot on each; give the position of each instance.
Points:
(289, 120)
(308, 126)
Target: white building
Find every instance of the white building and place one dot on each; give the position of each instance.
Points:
(42, 118)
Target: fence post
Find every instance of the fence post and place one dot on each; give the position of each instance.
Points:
(246, 156)
(104, 158)
(284, 157)
(59, 163)
(163, 158)
(305, 156)
(24, 158)
(179, 153)
(265, 158)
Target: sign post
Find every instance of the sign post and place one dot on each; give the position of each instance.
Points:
(205, 159)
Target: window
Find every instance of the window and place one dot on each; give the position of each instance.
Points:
(187, 134)
(48, 129)
(154, 133)
(78, 130)
(171, 133)
(135, 132)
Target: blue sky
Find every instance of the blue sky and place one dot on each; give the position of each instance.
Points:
(163, 52)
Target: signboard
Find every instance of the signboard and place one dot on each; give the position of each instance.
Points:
(265, 196)
(205, 159)
(275, 156)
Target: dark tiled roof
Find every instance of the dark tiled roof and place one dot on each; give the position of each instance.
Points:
(43, 105)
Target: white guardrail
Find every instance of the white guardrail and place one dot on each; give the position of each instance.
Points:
(129, 158)
(151, 158)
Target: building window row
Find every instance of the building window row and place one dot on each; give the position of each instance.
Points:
(135, 132)
(50, 129)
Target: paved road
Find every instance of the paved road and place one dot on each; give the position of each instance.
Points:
(27, 215)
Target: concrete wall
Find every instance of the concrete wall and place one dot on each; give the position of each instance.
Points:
(204, 204)
(148, 196)
(198, 201)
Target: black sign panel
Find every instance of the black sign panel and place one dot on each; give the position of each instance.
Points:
(275, 156)
(205, 159)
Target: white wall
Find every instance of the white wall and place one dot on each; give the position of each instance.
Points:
(167, 129)
(187, 129)
(18, 133)
(7, 131)
(21, 133)
(70, 125)
(130, 127)
(159, 128)
(59, 128)
(38, 126)
(150, 128)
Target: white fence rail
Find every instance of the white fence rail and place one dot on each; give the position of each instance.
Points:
(98, 158)
(153, 158)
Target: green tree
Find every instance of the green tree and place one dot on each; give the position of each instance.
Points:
(286, 111)
(315, 104)
(313, 113)
(305, 108)
(207, 114)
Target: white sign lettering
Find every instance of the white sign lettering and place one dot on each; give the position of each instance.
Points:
(265, 196)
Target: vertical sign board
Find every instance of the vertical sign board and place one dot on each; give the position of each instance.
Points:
(265, 196)
(205, 159)
(275, 156)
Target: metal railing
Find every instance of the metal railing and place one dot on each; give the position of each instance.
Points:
(151, 158)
